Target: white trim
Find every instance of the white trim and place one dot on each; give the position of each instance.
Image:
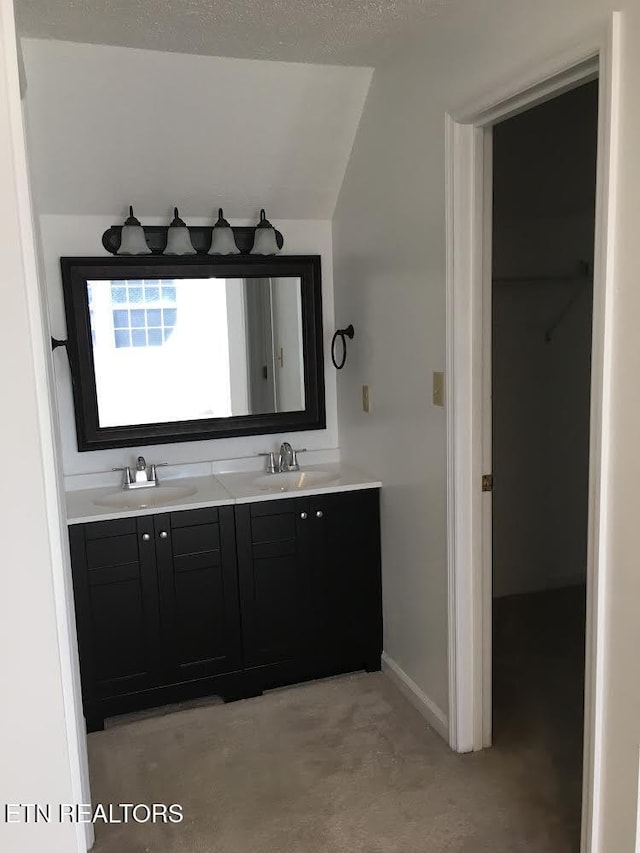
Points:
(601, 440)
(550, 78)
(469, 604)
(434, 715)
(463, 148)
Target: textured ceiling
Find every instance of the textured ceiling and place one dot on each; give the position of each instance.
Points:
(342, 32)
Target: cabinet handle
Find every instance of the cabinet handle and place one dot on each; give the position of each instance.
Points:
(163, 534)
(319, 514)
(145, 537)
(303, 515)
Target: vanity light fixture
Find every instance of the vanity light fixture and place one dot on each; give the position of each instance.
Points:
(178, 238)
(133, 241)
(132, 238)
(265, 241)
(222, 240)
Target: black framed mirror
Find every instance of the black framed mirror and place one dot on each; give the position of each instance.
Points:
(166, 349)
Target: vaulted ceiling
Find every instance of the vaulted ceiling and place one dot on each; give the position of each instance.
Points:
(343, 32)
(112, 126)
(161, 102)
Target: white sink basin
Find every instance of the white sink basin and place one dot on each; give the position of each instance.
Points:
(293, 481)
(143, 498)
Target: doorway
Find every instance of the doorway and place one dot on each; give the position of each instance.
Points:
(468, 323)
(543, 221)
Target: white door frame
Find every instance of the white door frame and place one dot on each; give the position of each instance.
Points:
(468, 323)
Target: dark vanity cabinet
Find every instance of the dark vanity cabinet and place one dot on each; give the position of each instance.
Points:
(275, 583)
(225, 600)
(198, 587)
(156, 608)
(310, 594)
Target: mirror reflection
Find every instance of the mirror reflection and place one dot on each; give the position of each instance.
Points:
(192, 348)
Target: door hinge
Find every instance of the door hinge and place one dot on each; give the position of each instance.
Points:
(487, 482)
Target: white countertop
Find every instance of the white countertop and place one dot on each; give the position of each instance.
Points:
(249, 487)
(82, 506)
(220, 490)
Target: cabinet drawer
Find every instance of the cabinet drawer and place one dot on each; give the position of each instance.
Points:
(114, 574)
(278, 507)
(273, 528)
(104, 529)
(193, 540)
(196, 562)
(112, 551)
(189, 517)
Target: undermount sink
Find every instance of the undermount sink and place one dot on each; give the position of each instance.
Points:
(293, 481)
(143, 498)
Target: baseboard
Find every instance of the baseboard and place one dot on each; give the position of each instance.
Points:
(436, 718)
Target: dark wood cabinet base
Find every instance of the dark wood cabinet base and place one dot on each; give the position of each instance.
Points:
(247, 693)
(94, 723)
(226, 602)
(230, 688)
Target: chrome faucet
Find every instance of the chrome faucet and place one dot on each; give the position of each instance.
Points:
(286, 459)
(141, 478)
(141, 470)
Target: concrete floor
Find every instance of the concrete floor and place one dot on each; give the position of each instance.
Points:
(348, 765)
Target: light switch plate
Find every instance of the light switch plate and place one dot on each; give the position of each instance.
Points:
(365, 399)
(438, 389)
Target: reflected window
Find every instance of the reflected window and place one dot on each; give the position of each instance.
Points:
(143, 312)
(236, 350)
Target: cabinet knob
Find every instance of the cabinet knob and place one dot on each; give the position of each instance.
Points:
(163, 534)
(146, 537)
(319, 514)
(303, 515)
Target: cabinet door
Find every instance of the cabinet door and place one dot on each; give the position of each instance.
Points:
(116, 599)
(275, 594)
(198, 592)
(346, 570)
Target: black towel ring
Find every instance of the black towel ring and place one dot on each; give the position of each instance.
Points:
(342, 334)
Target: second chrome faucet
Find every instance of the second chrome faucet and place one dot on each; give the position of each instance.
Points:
(285, 460)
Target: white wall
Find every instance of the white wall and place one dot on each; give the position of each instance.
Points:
(39, 726)
(543, 225)
(81, 235)
(389, 243)
(110, 125)
(116, 126)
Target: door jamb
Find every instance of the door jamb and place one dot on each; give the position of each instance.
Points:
(468, 283)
